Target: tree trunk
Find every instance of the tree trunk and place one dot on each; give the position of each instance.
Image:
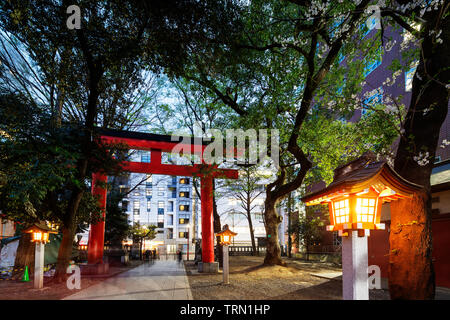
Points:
(68, 229)
(64, 254)
(252, 233)
(24, 256)
(411, 274)
(95, 70)
(427, 111)
(273, 252)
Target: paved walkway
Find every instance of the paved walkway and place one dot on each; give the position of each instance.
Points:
(158, 280)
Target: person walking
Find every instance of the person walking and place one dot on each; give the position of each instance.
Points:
(180, 256)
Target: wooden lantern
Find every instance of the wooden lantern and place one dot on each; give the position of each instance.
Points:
(39, 233)
(355, 197)
(226, 235)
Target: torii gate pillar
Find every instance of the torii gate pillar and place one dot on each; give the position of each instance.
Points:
(97, 231)
(207, 265)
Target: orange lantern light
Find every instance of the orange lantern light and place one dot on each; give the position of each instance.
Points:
(39, 233)
(355, 196)
(226, 235)
(356, 211)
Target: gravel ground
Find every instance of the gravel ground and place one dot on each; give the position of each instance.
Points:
(250, 280)
(17, 290)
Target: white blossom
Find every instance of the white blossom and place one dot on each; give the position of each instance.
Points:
(422, 159)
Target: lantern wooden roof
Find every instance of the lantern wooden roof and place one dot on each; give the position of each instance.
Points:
(363, 175)
(39, 227)
(226, 232)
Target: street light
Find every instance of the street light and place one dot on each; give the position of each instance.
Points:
(226, 236)
(40, 236)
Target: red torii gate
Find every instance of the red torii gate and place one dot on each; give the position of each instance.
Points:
(157, 144)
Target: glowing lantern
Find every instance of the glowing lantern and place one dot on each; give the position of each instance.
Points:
(354, 200)
(40, 233)
(355, 211)
(226, 235)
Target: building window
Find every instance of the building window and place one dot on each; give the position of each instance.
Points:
(170, 233)
(184, 207)
(183, 221)
(160, 207)
(145, 156)
(372, 100)
(148, 192)
(170, 219)
(341, 57)
(369, 24)
(170, 206)
(336, 24)
(136, 193)
(136, 207)
(149, 205)
(369, 66)
(182, 234)
(125, 205)
(124, 189)
(148, 181)
(160, 224)
(160, 191)
(435, 200)
(184, 181)
(184, 194)
(409, 75)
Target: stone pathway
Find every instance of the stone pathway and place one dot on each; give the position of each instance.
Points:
(156, 280)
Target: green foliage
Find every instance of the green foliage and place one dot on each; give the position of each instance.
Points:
(140, 232)
(117, 226)
(38, 165)
(261, 74)
(308, 230)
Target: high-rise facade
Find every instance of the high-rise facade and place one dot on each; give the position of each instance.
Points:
(166, 202)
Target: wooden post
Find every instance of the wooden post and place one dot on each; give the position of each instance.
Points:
(355, 283)
(39, 265)
(226, 268)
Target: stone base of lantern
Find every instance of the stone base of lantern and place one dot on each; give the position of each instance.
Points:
(208, 267)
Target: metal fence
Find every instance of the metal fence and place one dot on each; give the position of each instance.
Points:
(245, 250)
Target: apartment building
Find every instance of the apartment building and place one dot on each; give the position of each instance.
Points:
(168, 203)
